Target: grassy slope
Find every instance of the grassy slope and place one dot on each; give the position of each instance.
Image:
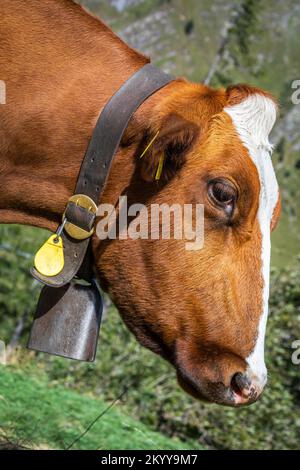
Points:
(37, 414)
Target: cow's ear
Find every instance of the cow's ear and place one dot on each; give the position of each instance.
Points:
(168, 148)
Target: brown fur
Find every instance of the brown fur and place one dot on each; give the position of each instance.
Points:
(200, 309)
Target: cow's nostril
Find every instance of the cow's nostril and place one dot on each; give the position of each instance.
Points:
(241, 385)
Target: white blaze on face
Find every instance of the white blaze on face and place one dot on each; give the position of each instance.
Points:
(253, 119)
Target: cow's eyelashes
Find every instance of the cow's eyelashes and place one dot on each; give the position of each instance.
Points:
(222, 194)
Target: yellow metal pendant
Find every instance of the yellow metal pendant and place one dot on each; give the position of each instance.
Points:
(49, 260)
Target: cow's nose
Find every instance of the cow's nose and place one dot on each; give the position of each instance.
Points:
(247, 387)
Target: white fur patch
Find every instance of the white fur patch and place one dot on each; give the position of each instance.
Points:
(253, 119)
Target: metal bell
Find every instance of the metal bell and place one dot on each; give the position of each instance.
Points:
(67, 321)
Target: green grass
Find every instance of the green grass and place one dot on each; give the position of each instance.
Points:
(35, 413)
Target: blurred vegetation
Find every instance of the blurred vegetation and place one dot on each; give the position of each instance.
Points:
(249, 41)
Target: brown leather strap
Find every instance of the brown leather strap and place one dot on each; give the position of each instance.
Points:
(111, 125)
(96, 165)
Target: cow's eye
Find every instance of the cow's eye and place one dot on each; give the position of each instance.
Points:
(223, 194)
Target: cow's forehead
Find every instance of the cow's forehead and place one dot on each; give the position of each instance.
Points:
(253, 119)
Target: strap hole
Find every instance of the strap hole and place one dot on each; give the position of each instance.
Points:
(97, 189)
(75, 255)
(92, 160)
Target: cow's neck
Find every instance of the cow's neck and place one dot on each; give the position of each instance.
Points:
(53, 102)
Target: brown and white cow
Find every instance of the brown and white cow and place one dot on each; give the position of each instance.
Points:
(204, 311)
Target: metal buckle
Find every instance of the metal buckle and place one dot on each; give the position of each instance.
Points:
(87, 203)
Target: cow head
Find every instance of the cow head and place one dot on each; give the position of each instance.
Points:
(203, 310)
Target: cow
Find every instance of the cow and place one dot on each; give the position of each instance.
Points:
(204, 311)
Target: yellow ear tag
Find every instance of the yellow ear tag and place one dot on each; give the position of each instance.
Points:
(49, 260)
(160, 167)
(149, 145)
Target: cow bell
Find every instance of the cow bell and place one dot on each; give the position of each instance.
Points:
(67, 321)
